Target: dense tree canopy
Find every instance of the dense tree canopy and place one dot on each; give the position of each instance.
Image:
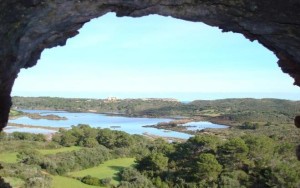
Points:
(259, 159)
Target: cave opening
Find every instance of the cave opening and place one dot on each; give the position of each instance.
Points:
(156, 56)
(50, 23)
(162, 56)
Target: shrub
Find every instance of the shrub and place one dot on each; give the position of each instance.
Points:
(91, 180)
(105, 181)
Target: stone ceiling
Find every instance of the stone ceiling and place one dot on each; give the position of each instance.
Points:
(30, 26)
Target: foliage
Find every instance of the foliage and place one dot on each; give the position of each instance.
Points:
(235, 179)
(154, 162)
(14, 182)
(260, 146)
(248, 125)
(122, 144)
(62, 163)
(38, 181)
(91, 180)
(3, 136)
(29, 157)
(262, 157)
(233, 153)
(28, 136)
(116, 139)
(58, 150)
(207, 168)
(131, 178)
(3, 184)
(30, 174)
(105, 181)
(202, 161)
(131, 107)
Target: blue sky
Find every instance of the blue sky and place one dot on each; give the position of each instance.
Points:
(156, 56)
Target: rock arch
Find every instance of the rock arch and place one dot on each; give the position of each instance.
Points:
(30, 26)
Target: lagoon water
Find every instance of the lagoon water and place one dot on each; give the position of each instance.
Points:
(131, 125)
(193, 126)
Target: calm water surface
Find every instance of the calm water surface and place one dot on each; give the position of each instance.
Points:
(193, 126)
(130, 125)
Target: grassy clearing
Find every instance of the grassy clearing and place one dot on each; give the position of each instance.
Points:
(54, 151)
(14, 182)
(107, 169)
(9, 157)
(65, 182)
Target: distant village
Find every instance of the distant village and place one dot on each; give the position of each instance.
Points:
(115, 99)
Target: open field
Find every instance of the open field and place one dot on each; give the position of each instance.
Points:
(65, 182)
(107, 169)
(54, 151)
(10, 157)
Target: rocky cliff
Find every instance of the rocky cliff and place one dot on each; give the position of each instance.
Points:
(30, 26)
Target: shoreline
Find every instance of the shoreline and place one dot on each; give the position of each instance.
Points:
(176, 123)
(95, 112)
(49, 135)
(215, 120)
(35, 126)
(166, 138)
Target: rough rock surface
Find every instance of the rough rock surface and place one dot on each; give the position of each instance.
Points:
(30, 26)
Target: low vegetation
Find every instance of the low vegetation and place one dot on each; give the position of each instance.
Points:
(75, 155)
(107, 171)
(14, 182)
(258, 150)
(58, 150)
(85, 156)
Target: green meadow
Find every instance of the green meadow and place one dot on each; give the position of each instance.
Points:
(9, 157)
(65, 182)
(108, 169)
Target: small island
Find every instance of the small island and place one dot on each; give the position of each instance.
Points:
(176, 125)
(48, 117)
(14, 114)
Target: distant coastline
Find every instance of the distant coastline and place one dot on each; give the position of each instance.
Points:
(180, 96)
(229, 112)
